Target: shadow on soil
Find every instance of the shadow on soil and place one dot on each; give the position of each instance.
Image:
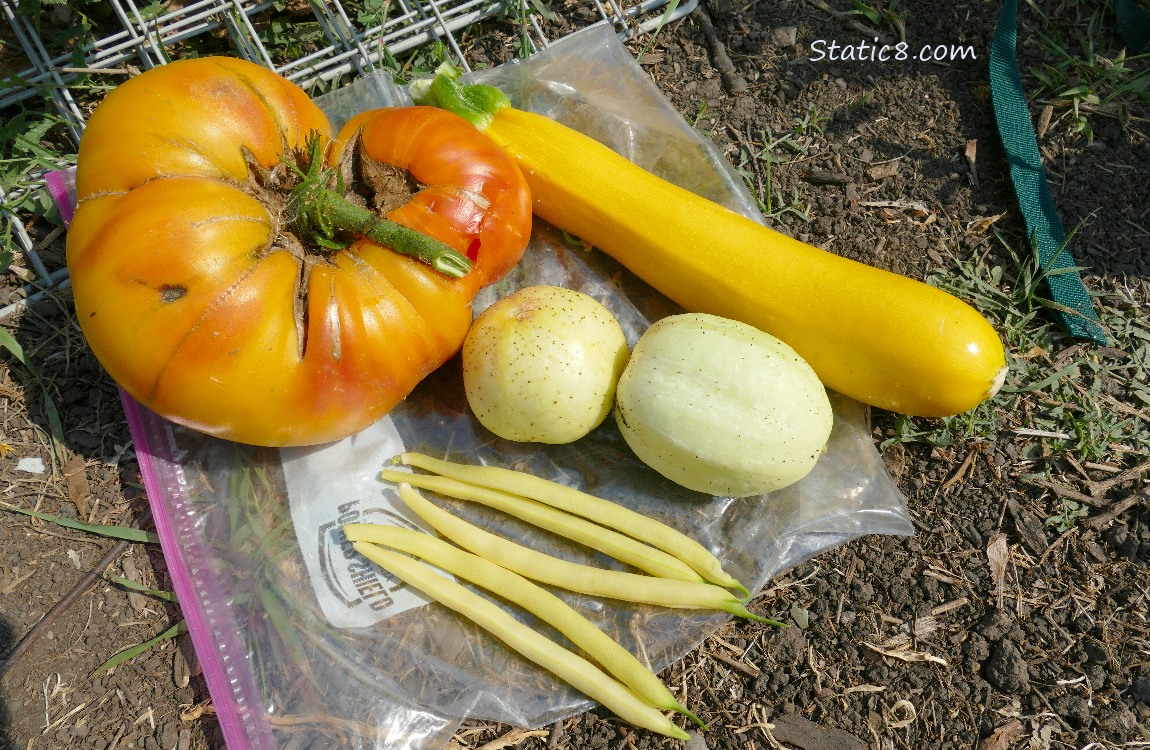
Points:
(7, 641)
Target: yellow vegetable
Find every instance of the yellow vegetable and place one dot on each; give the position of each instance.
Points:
(541, 364)
(569, 667)
(604, 512)
(583, 579)
(521, 592)
(623, 548)
(878, 337)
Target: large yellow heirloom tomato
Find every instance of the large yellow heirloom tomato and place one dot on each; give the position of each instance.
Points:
(229, 267)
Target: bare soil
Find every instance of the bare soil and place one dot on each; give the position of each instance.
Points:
(990, 628)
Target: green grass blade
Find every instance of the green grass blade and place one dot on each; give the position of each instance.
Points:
(663, 21)
(112, 532)
(131, 653)
(9, 342)
(7, 254)
(281, 621)
(542, 9)
(168, 596)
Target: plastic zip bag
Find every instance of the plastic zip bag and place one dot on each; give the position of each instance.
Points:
(251, 535)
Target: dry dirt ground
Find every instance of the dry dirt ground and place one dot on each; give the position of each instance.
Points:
(1016, 616)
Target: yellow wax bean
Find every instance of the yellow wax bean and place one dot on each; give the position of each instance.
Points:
(538, 601)
(567, 666)
(623, 548)
(605, 512)
(585, 579)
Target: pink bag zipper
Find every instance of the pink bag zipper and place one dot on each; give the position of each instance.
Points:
(215, 635)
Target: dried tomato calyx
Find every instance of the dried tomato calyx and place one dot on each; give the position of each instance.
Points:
(322, 217)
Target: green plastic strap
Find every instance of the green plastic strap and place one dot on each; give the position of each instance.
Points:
(1133, 24)
(1029, 177)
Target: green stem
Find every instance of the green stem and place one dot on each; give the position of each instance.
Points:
(477, 103)
(341, 216)
(739, 610)
(322, 217)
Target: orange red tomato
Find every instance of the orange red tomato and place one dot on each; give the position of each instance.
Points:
(199, 299)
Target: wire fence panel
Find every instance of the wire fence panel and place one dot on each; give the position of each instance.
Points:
(344, 38)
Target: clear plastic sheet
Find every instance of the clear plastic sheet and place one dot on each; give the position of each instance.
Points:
(283, 676)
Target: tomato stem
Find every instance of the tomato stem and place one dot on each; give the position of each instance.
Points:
(323, 217)
(344, 216)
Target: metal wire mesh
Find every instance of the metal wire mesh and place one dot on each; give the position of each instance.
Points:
(349, 38)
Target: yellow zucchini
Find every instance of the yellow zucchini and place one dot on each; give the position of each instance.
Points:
(881, 338)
